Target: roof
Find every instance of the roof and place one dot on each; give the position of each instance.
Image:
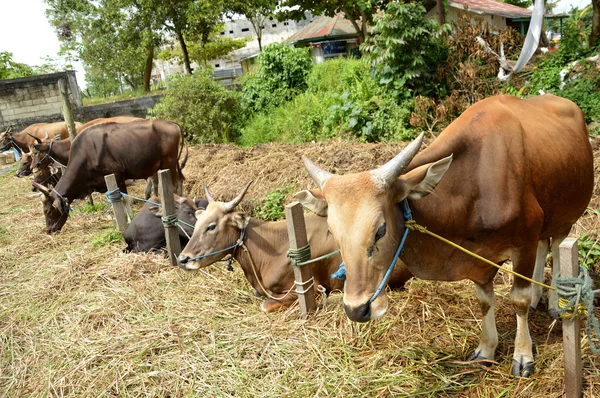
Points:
(491, 7)
(324, 28)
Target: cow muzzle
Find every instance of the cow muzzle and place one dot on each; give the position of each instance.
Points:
(367, 311)
(185, 262)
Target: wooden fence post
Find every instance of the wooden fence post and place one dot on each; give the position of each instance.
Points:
(294, 215)
(118, 207)
(67, 110)
(165, 189)
(569, 267)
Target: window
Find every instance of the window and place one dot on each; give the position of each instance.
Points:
(231, 32)
(286, 23)
(245, 29)
(222, 33)
(274, 25)
(217, 65)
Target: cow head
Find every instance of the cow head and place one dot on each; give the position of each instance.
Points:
(24, 165)
(362, 216)
(39, 152)
(56, 209)
(186, 212)
(217, 228)
(5, 138)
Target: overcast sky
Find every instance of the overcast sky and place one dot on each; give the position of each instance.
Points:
(25, 32)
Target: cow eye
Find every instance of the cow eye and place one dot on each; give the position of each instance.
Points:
(380, 232)
(211, 227)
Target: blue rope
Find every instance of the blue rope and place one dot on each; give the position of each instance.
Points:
(341, 272)
(239, 242)
(114, 195)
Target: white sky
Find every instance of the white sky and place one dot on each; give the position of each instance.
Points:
(25, 31)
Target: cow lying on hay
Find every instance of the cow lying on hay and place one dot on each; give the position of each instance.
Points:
(508, 174)
(130, 151)
(263, 253)
(146, 231)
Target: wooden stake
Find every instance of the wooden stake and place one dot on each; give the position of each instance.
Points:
(67, 110)
(294, 215)
(569, 267)
(118, 207)
(165, 189)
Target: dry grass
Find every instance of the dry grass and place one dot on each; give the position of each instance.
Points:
(78, 320)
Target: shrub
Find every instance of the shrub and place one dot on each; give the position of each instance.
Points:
(281, 75)
(272, 205)
(107, 238)
(206, 111)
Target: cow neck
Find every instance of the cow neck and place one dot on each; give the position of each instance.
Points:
(61, 151)
(22, 141)
(266, 243)
(73, 183)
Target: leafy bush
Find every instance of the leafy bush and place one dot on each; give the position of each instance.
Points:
(589, 249)
(272, 206)
(206, 111)
(405, 49)
(107, 238)
(281, 75)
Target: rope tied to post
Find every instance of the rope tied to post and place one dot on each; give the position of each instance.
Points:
(298, 257)
(170, 220)
(114, 195)
(577, 293)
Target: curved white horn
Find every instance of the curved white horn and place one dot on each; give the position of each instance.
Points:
(319, 175)
(229, 206)
(208, 195)
(47, 136)
(387, 174)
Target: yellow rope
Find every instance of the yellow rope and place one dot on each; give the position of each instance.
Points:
(413, 226)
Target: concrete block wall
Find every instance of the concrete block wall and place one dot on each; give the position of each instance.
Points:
(34, 97)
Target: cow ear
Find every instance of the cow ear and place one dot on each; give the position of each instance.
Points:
(313, 201)
(241, 220)
(421, 181)
(199, 212)
(57, 204)
(156, 210)
(42, 189)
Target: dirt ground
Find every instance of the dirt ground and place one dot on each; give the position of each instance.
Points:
(80, 318)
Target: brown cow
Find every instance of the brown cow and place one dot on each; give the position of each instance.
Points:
(116, 119)
(522, 172)
(129, 150)
(263, 255)
(44, 131)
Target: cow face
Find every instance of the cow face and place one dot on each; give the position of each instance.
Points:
(363, 217)
(186, 212)
(5, 138)
(217, 228)
(24, 165)
(39, 154)
(56, 209)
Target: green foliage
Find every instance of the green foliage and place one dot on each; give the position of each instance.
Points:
(281, 75)
(272, 205)
(584, 90)
(106, 238)
(10, 69)
(589, 249)
(206, 111)
(519, 3)
(574, 40)
(405, 49)
(89, 208)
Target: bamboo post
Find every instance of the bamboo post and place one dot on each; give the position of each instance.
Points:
(294, 215)
(118, 207)
(67, 110)
(569, 267)
(165, 189)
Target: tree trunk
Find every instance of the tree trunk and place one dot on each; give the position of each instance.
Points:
(359, 30)
(595, 36)
(259, 38)
(148, 71)
(184, 50)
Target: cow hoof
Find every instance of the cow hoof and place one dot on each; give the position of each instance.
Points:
(477, 357)
(262, 307)
(553, 314)
(520, 369)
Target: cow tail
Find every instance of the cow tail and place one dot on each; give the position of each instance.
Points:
(181, 165)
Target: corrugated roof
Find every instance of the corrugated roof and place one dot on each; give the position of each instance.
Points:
(323, 28)
(492, 7)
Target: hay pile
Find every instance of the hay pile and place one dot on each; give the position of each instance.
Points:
(82, 319)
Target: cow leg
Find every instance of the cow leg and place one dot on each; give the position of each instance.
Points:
(538, 272)
(523, 261)
(148, 190)
(552, 296)
(488, 340)
(270, 305)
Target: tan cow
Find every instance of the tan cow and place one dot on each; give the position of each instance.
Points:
(515, 173)
(43, 131)
(263, 256)
(116, 119)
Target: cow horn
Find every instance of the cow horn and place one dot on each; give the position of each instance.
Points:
(42, 189)
(35, 138)
(229, 206)
(319, 175)
(208, 195)
(387, 174)
(47, 136)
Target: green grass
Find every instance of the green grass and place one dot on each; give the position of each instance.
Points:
(106, 238)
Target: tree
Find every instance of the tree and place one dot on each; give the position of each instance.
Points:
(258, 12)
(595, 35)
(10, 69)
(359, 12)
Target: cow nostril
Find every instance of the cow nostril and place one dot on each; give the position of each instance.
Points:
(183, 259)
(362, 313)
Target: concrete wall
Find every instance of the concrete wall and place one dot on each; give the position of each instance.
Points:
(453, 15)
(35, 97)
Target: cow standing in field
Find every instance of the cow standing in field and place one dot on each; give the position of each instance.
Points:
(146, 231)
(263, 254)
(129, 150)
(508, 175)
(43, 131)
